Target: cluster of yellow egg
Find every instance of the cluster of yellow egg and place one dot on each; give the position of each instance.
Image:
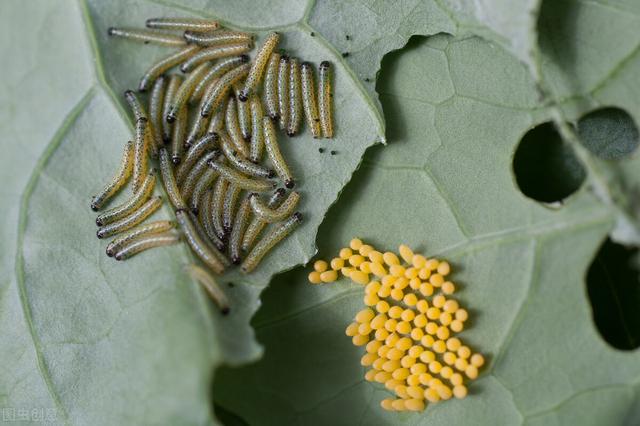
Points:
(408, 325)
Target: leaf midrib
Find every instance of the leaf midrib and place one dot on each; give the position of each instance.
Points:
(55, 142)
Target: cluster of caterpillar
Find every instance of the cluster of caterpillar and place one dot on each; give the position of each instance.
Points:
(206, 128)
(408, 327)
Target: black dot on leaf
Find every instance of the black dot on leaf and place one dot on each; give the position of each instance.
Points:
(545, 167)
(609, 133)
(613, 284)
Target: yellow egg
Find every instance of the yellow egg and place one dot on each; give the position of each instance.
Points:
(435, 367)
(388, 280)
(390, 325)
(426, 289)
(391, 365)
(442, 333)
(381, 334)
(449, 358)
(445, 318)
(427, 357)
(460, 391)
(436, 280)
(427, 341)
(404, 344)
(407, 361)
(444, 268)
(387, 404)
(461, 364)
(433, 313)
(396, 270)
(314, 277)
(422, 306)
(337, 263)
(477, 360)
(446, 372)
(397, 294)
(352, 329)
(395, 354)
(464, 352)
(414, 404)
(355, 244)
(384, 292)
(345, 253)
(382, 306)
(406, 253)
(417, 334)
(365, 250)
(400, 373)
(360, 340)
(401, 283)
(431, 395)
(415, 283)
(471, 372)
(382, 376)
(456, 379)
(369, 376)
(359, 277)
(431, 328)
(329, 276)
(395, 312)
(401, 391)
(451, 306)
(415, 392)
(420, 320)
(392, 384)
(320, 265)
(378, 363)
(368, 359)
(372, 287)
(438, 301)
(413, 379)
(415, 351)
(444, 392)
(453, 344)
(418, 261)
(403, 327)
(398, 405)
(411, 274)
(364, 328)
(373, 346)
(356, 260)
(425, 378)
(390, 258)
(439, 346)
(418, 368)
(410, 299)
(383, 350)
(432, 264)
(462, 315)
(378, 321)
(376, 257)
(377, 269)
(371, 299)
(424, 273)
(365, 315)
(448, 287)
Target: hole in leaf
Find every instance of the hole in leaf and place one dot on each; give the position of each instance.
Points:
(613, 283)
(609, 133)
(545, 167)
